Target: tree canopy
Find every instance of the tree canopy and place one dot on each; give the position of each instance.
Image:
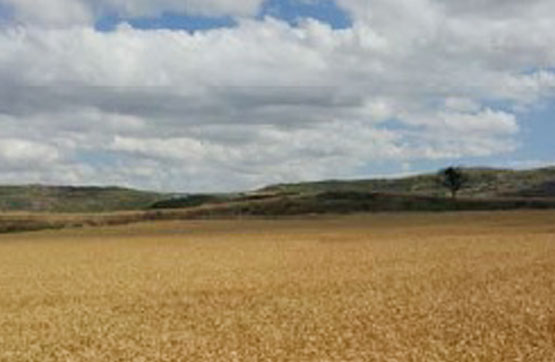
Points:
(453, 179)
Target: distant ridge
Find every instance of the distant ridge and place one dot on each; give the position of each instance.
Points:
(483, 182)
(498, 188)
(60, 199)
(486, 189)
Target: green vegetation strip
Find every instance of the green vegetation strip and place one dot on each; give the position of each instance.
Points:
(321, 203)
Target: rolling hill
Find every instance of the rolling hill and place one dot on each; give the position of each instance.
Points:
(421, 192)
(28, 208)
(37, 198)
(482, 183)
(485, 189)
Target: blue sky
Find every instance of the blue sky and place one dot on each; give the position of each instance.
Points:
(167, 20)
(291, 11)
(538, 128)
(215, 95)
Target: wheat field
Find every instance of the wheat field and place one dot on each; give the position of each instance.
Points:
(397, 287)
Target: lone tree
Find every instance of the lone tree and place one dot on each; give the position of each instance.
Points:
(453, 179)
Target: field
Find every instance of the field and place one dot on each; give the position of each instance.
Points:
(383, 287)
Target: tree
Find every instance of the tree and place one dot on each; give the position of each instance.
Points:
(453, 179)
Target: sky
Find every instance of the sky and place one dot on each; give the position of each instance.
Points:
(226, 95)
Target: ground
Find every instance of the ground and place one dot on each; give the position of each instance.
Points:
(384, 287)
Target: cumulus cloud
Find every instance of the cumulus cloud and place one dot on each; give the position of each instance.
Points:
(63, 13)
(131, 8)
(17, 153)
(266, 101)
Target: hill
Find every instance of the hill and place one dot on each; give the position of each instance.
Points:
(486, 189)
(37, 198)
(272, 207)
(482, 183)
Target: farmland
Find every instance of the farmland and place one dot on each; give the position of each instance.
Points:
(475, 286)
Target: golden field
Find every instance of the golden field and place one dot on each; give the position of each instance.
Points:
(384, 287)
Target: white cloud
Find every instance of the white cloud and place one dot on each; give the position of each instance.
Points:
(23, 153)
(265, 101)
(460, 104)
(131, 8)
(56, 12)
(62, 13)
(485, 123)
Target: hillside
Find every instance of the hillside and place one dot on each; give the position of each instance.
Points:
(482, 183)
(486, 189)
(422, 192)
(36, 198)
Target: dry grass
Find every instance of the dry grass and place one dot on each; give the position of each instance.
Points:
(418, 287)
